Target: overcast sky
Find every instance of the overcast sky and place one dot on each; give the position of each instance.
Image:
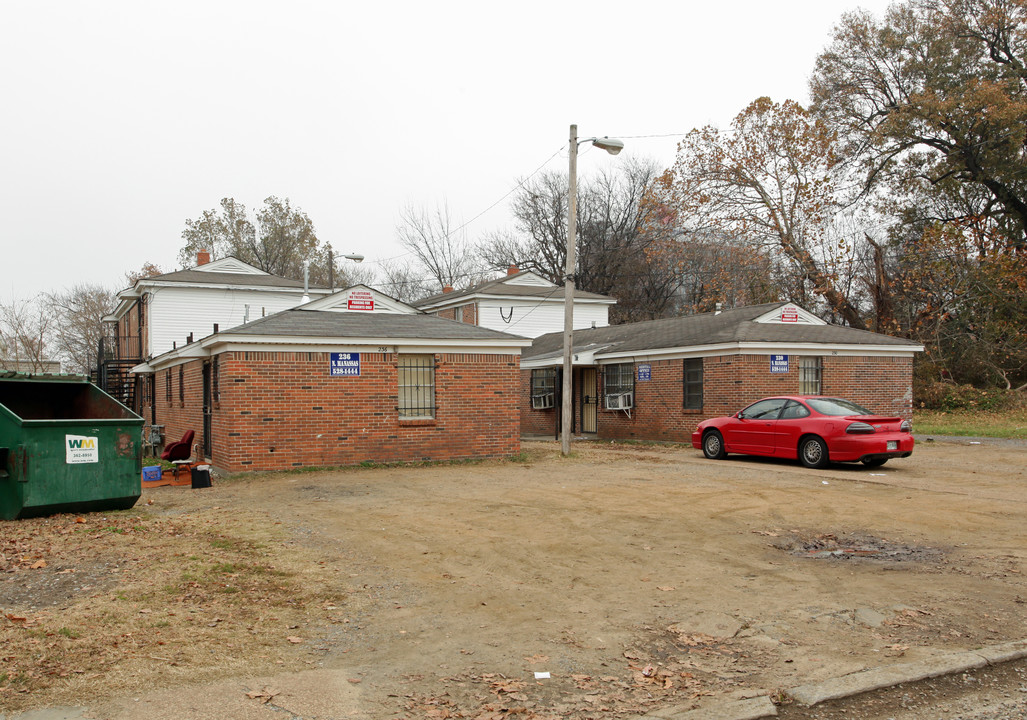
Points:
(120, 120)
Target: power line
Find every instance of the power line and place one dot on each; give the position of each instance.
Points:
(512, 190)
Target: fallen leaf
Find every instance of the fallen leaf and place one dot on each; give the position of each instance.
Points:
(265, 695)
(294, 640)
(38, 564)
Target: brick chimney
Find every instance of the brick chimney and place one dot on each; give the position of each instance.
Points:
(512, 270)
(202, 258)
(447, 289)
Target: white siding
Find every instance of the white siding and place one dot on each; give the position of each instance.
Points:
(176, 312)
(529, 279)
(531, 318)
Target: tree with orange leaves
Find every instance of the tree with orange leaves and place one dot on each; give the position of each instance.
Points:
(767, 184)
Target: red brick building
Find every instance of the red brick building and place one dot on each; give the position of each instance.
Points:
(353, 377)
(657, 380)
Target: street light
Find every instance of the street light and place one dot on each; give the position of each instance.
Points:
(612, 146)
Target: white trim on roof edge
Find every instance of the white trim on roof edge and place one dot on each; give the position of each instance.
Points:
(747, 348)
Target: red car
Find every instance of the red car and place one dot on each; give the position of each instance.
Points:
(815, 429)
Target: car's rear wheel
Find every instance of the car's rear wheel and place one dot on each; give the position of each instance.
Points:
(813, 452)
(874, 462)
(713, 445)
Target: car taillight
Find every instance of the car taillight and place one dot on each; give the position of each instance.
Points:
(906, 426)
(860, 428)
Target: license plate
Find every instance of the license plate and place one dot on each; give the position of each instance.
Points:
(893, 444)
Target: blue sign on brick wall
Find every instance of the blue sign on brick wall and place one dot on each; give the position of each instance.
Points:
(778, 363)
(644, 372)
(344, 364)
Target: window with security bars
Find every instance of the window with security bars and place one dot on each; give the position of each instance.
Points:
(543, 388)
(416, 386)
(811, 372)
(167, 386)
(692, 381)
(181, 385)
(619, 379)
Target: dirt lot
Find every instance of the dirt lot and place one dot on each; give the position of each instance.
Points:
(635, 576)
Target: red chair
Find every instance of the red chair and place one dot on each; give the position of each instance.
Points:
(179, 452)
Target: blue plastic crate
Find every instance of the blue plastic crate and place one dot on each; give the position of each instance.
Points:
(151, 473)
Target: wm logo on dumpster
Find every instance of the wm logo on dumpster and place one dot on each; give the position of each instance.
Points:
(81, 449)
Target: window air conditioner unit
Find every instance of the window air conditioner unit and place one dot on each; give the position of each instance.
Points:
(542, 402)
(620, 401)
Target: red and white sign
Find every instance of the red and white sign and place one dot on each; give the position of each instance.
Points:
(360, 300)
(789, 314)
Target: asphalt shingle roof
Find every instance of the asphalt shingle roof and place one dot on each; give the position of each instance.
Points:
(322, 323)
(227, 278)
(501, 287)
(730, 326)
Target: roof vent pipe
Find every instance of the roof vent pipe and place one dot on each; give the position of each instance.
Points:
(306, 281)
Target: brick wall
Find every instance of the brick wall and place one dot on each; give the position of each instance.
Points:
(130, 331)
(178, 416)
(468, 313)
(730, 382)
(280, 410)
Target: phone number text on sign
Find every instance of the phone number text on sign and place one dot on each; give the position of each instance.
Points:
(344, 364)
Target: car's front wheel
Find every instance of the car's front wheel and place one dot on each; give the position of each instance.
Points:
(713, 445)
(874, 462)
(813, 452)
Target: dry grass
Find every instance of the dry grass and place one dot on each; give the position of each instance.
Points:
(128, 600)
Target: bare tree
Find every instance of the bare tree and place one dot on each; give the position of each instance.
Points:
(617, 226)
(439, 246)
(26, 329)
(403, 282)
(78, 323)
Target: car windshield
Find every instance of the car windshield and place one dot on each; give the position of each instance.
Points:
(836, 406)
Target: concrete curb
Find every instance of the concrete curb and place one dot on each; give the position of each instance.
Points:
(850, 685)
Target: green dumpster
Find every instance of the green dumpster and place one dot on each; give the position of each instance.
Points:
(65, 446)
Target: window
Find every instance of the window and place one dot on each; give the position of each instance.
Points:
(181, 385)
(811, 370)
(416, 386)
(764, 409)
(543, 388)
(794, 411)
(167, 385)
(692, 377)
(619, 386)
